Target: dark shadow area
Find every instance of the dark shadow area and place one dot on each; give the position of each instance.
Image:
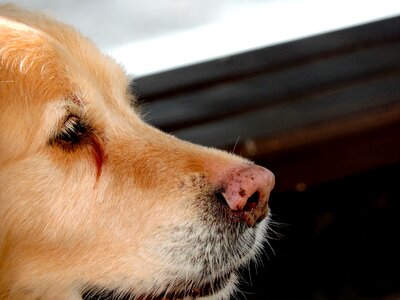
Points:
(340, 241)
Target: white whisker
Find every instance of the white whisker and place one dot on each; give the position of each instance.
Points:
(235, 145)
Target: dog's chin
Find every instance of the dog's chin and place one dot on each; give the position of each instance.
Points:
(217, 284)
(220, 287)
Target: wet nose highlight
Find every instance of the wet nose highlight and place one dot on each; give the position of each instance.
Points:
(246, 190)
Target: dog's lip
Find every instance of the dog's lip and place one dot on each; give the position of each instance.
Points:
(205, 290)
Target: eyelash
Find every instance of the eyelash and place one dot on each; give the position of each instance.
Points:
(74, 131)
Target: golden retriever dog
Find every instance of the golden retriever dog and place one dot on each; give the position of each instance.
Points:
(95, 201)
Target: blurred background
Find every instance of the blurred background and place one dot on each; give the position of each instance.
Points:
(154, 35)
(309, 89)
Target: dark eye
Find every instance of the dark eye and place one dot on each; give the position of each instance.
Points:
(73, 131)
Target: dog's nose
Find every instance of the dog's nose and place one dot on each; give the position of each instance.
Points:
(246, 190)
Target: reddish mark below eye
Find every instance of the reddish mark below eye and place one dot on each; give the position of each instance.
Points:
(98, 154)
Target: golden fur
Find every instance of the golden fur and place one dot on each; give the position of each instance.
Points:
(121, 210)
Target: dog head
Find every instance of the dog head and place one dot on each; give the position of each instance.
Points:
(91, 197)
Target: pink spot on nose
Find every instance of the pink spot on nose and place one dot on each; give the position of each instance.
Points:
(247, 190)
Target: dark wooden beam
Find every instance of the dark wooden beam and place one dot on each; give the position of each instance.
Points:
(267, 59)
(331, 150)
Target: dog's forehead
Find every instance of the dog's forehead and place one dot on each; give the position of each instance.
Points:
(27, 65)
(49, 60)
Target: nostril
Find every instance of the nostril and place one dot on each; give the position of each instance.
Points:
(252, 202)
(220, 197)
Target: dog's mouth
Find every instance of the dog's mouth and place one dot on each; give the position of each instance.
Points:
(175, 291)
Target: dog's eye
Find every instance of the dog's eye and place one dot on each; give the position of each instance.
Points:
(73, 131)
